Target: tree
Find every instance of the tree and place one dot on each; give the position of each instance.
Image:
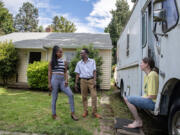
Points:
(62, 25)
(93, 53)
(6, 20)
(119, 18)
(8, 61)
(40, 29)
(27, 18)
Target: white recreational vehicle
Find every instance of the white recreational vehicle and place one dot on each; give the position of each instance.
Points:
(153, 30)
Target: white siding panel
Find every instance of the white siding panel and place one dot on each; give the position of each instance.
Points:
(106, 68)
(22, 65)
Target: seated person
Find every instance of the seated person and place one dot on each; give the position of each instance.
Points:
(151, 86)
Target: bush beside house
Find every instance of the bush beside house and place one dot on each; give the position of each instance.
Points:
(8, 61)
(37, 74)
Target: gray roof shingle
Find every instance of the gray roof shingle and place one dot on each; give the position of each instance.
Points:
(36, 40)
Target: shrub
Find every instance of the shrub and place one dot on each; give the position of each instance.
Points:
(94, 54)
(37, 74)
(8, 61)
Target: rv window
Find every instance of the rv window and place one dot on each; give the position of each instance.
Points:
(34, 56)
(127, 49)
(171, 15)
(144, 29)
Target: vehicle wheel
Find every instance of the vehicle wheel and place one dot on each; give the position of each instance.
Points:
(174, 119)
(122, 89)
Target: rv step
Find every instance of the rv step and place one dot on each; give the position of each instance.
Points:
(121, 130)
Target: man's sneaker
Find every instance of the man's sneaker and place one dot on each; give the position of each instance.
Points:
(97, 115)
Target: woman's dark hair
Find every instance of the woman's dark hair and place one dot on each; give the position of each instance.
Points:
(54, 56)
(86, 50)
(151, 63)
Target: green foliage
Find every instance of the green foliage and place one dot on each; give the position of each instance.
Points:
(8, 60)
(27, 18)
(37, 74)
(6, 20)
(41, 29)
(94, 54)
(62, 25)
(119, 18)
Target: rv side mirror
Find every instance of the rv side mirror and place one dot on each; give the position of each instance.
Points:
(133, 1)
(159, 15)
(157, 1)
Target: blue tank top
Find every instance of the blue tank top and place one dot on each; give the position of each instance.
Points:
(60, 67)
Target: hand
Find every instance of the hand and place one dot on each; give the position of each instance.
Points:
(66, 83)
(50, 87)
(76, 87)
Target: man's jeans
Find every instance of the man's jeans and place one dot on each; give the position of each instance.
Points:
(57, 83)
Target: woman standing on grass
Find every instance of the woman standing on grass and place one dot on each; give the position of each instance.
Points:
(58, 79)
(151, 86)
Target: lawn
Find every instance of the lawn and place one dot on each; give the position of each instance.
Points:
(30, 111)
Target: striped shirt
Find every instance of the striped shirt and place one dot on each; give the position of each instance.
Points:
(60, 67)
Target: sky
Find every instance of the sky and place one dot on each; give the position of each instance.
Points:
(89, 16)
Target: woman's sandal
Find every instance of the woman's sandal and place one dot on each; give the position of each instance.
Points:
(74, 117)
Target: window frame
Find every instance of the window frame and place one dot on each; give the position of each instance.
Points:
(144, 14)
(172, 27)
(128, 42)
(30, 56)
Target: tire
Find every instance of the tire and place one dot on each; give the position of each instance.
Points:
(122, 89)
(174, 118)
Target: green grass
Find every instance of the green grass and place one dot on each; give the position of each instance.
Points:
(118, 106)
(30, 111)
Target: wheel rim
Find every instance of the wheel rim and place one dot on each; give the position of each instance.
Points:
(176, 124)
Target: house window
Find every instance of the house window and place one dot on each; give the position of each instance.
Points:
(171, 15)
(127, 49)
(34, 56)
(144, 29)
(69, 55)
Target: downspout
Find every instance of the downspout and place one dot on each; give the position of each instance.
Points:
(46, 49)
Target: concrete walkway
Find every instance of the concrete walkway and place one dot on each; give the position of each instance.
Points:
(107, 122)
(17, 133)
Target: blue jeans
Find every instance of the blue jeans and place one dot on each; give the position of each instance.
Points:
(57, 82)
(140, 102)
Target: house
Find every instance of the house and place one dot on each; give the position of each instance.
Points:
(34, 46)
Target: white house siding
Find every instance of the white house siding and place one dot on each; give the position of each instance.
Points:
(22, 65)
(106, 68)
(24, 61)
